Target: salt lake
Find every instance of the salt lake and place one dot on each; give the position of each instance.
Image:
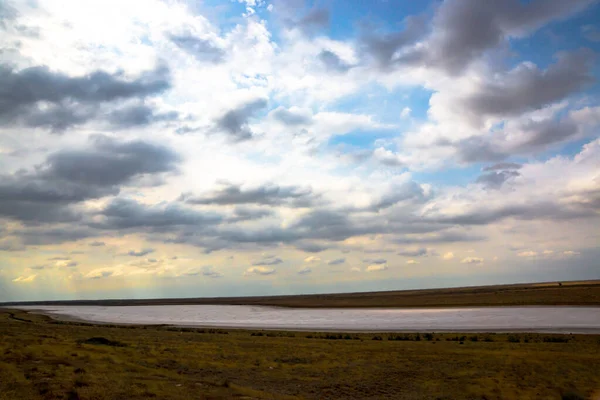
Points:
(473, 319)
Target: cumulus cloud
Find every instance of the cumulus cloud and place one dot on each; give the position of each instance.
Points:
(312, 259)
(304, 270)
(99, 274)
(472, 260)
(463, 30)
(67, 264)
(269, 261)
(333, 62)
(207, 271)
(496, 179)
(72, 176)
(123, 213)
(526, 87)
(25, 279)
(260, 271)
(374, 261)
(376, 267)
(234, 123)
(202, 49)
(291, 117)
(40, 97)
(140, 253)
(448, 256)
(420, 252)
(412, 262)
(268, 194)
(528, 253)
(96, 243)
(336, 261)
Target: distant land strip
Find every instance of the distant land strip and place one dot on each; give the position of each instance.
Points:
(566, 293)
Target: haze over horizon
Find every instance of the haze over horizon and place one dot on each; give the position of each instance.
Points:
(227, 148)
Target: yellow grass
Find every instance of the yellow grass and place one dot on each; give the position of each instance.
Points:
(45, 359)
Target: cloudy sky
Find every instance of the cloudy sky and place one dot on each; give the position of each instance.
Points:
(216, 148)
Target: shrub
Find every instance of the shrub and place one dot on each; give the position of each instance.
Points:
(102, 341)
(571, 395)
(428, 336)
(474, 338)
(514, 339)
(554, 339)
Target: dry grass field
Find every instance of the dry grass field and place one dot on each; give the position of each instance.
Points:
(45, 359)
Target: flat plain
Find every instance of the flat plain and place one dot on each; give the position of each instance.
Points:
(585, 293)
(41, 358)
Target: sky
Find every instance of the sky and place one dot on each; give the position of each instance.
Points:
(246, 147)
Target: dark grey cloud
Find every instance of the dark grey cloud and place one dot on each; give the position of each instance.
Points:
(111, 162)
(311, 247)
(56, 117)
(96, 244)
(496, 179)
(140, 253)
(532, 136)
(503, 166)
(139, 115)
(304, 271)
(337, 261)
(542, 210)
(68, 100)
(10, 244)
(528, 88)
(123, 213)
(269, 261)
(384, 48)
(464, 30)
(313, 21)
(202, 49)
(70, 264)
(210, 272)
(331, 225)
(35, 211)
(442, 237)
(235, 122)
(409, 191)
(290, 118)
(374, 261)
(41, 236)
(414, 253)
(72, 176)
(250, 214)
(536, 135)
(268, 194)
(333, 62)
(479, 149)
